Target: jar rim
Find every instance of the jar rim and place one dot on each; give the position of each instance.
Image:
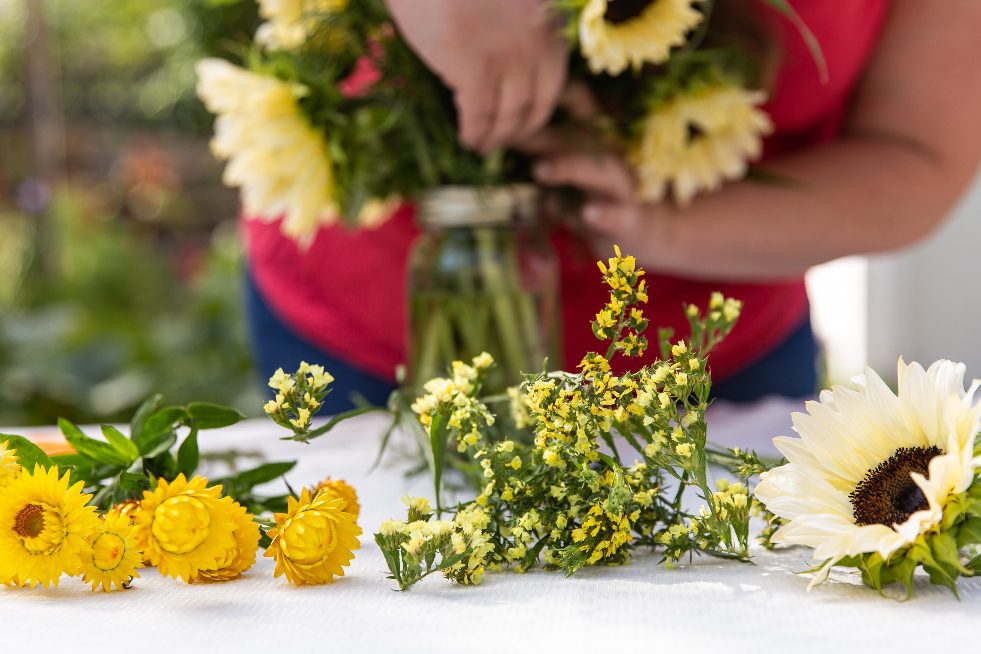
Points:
(471, 206)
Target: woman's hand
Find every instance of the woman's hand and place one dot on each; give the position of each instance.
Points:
(505, 62)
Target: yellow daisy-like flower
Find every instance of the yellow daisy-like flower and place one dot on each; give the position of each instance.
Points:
(185, 527)
(614, 34)
(313, 540)
(873, 470)
(697, 140)
(45, 528)
(115, 555)
(342, 489)
(290, 22)
(9, 468)
(241, 556)
(274, 155)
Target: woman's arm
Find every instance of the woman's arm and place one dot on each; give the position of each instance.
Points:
(911, 145)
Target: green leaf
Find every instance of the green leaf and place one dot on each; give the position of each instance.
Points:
(28, 454)
(159, 443)
(437, 440)
(188, 455)
(213, 416)
(148, 408)
(969, 533)
(121, 444)
(93, 449)
(158, 424)
(259, 475)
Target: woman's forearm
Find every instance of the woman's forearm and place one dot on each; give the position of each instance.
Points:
(858, 195)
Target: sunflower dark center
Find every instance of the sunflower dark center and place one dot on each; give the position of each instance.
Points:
(621, 11)
(887, 495)
(694, 133)
(29, 522)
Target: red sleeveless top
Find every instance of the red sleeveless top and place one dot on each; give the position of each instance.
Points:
(347, 292)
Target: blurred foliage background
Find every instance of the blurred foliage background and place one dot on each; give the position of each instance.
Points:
(120, 270)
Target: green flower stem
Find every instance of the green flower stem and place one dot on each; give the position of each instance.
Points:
(512, 350)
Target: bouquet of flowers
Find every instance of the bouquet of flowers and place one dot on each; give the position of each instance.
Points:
(335, 118)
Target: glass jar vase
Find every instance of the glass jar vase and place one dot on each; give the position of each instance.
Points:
(482, 276)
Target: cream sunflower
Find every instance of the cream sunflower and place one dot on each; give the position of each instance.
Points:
(314, 539)
(342, 489)
(616, 33)
(185, 527)
(241, 557)
(45, 528)
(873, 471)
(274, 155)
(699, 139)
(9, 468)
(115, 554)
(290, 22)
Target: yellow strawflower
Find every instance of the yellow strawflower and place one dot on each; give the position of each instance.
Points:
(241, 556)
(45, 528)
(339, 488)
(314, 539)
(186, 527)
(115, 554)
(9, 468)
(615, 34)
(699, 139)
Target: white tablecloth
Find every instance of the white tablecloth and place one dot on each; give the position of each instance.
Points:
(707, 606)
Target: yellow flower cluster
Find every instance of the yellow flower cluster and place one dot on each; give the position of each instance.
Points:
(298, 396)
(459, 548)
(457, 395)
(621, 313)
(185, 528)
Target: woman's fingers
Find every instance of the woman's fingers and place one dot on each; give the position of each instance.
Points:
(548, 82)
(599, 174)
(476, 106)
(514, 103)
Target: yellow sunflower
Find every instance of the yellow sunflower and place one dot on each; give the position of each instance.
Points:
(115, 555)
(873, 471)
(275, 156)
(185, 527)
(241, 557)
(45, 528)
(699, 139)
(614, 34)
(9, 468)
(342, 489)
(290, 22)
(313, 540)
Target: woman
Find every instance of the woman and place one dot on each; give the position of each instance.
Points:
(881, 150)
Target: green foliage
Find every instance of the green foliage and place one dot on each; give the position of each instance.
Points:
(121, 467)
(114, 321)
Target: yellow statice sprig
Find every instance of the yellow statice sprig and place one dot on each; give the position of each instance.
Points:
(621, 321)
(420, 546)
(299, 397)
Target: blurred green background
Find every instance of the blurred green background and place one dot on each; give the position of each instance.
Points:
(120, 271)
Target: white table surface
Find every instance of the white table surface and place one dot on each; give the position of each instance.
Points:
(710, 605)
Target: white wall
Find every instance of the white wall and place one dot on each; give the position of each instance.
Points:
(925, 303)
